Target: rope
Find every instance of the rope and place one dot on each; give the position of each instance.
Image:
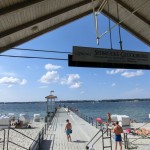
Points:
(119, 28)
(110, 36)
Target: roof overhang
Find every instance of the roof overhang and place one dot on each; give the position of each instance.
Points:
(22, 20)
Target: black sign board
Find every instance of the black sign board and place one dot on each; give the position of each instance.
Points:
(105, 58)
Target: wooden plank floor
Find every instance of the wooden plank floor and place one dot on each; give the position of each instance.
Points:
(56, 139)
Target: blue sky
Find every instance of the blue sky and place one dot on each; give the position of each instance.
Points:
(33, 79)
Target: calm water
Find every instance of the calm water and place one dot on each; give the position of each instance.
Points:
(136, 110)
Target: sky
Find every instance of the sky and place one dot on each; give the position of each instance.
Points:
(26, 80)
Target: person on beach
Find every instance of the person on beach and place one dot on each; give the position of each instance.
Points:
(68, 130)
(142, 132)
(68, 112)
(108, 118)
(118, 139)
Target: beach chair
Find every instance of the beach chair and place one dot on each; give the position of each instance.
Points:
(36, 118)
(19, 124)
(4, 121)
(24, 118)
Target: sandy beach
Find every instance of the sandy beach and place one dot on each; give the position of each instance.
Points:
(141, 142)
(20, 139)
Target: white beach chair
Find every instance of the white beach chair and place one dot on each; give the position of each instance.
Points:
(36, 118)
(4, 121)
(24, 118)
(124, 120)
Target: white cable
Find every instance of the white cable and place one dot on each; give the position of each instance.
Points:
(125, 18)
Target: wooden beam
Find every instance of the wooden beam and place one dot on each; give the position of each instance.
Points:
(21, 41)
(128, 8)
(18, 6)
(41, 19)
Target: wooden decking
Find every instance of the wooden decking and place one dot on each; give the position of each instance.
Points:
(82, 133)
(55, 138)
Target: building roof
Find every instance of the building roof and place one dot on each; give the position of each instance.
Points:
(23, 20)
(51, 97)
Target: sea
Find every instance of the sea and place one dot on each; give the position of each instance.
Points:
(136, 110)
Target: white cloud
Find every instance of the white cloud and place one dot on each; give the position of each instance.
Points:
(23, 82)
(114, 84)
(43, 87)
(132, 74)
(9, 86)
(115, 71)
(9, 74)
(125, 72)
(9, 80)
(73, 80)
(12, 81)
(76, 85)
(52, 67)
(50, 77)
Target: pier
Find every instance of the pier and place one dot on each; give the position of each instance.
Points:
(83, 132)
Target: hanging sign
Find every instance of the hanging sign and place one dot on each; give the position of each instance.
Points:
(99, 55)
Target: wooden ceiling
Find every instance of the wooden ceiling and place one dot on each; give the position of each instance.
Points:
(23, 20)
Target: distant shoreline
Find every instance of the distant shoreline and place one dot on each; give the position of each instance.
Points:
(83, 101)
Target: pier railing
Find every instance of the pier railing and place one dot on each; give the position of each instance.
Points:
(90, 120)
(36, 144)
(102, 136)
(49, 117)
(2, 139)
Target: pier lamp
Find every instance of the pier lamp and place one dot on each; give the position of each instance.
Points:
(50, 106)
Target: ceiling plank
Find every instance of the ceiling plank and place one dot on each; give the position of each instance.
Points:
(41, 19)
(2, 49)
(137, 35)
(18, 6)
(128, 8)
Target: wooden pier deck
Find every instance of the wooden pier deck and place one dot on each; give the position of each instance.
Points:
(55, 138)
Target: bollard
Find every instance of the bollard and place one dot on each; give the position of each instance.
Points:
(96, 124)
(45, 129)
(92, 121)
(39, 142)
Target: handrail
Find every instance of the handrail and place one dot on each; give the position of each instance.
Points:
(101, 130)
(18, 145)
(90, 120)
(36, 144)
(93, 137)
(3, 141)
(99, 138)
(83, 116)
(39, 138)
(38, 141)
(23, 134)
